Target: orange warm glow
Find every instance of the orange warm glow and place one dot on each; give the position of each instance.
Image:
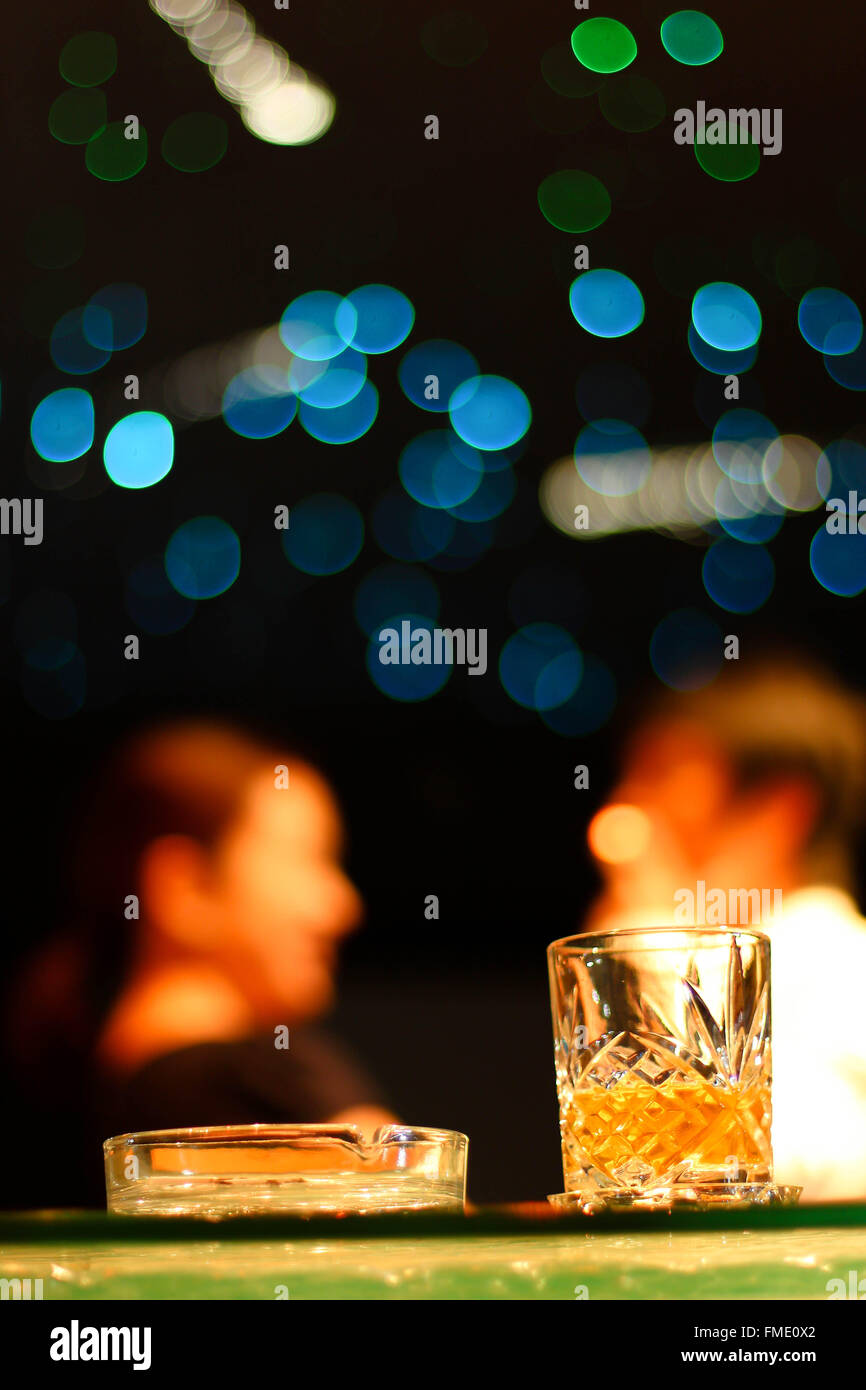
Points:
(619, 833)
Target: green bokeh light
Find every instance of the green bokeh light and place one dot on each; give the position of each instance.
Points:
(195, 142)
(55, 238)
(77, 115)
(88, 59)
(604, 45)
(691, 37)
(565, 75)
(729, 162)
(573, 201)
(113, 158)
(455, 38)
(632, 103)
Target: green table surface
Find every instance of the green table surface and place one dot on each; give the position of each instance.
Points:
(525, 1252)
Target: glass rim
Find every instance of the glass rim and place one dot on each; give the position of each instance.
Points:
(589, 943)
(286, 1136)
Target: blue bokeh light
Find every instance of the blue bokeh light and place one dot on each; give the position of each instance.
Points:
(590, 706)
(830, 321)
(342, 424)
(726, 316)
(612, 457)
(303, 374)
(430, 373)
(394, 589)
(438, 469)
(841, 468)
(405, 530)
(493, 460)
(62, 425)
(691, 37)
(326, 534)
(139, 449)
(848, 369)
(540, 666)
(467, 543)
(686, 649)
(751, 522)
(152, 602)
(838, 561)
(741, 438)
(203, 557)
(606, 303)
(255, 409)
(491, 498)
(738, 577)
(375, 318)
(489, 412)
(70, 350)
(115, 317)
(333, 383)
(49, 653)
(718, 362)
(308, 326)
(407, 682)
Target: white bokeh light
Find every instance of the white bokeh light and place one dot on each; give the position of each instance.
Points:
(295, 113)
(277, 100)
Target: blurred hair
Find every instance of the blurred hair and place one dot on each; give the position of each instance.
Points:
(186, 777)
(783, 714)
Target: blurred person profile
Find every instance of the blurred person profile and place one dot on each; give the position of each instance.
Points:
(205, 905)
(740, 804)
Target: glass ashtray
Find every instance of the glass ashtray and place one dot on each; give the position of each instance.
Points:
(306, 1170)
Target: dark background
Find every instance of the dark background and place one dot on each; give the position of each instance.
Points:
(465, 795)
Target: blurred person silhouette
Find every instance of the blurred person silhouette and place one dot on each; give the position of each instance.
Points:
(206, 905)
(744, 800)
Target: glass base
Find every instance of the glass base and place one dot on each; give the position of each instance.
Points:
(700, 1197)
